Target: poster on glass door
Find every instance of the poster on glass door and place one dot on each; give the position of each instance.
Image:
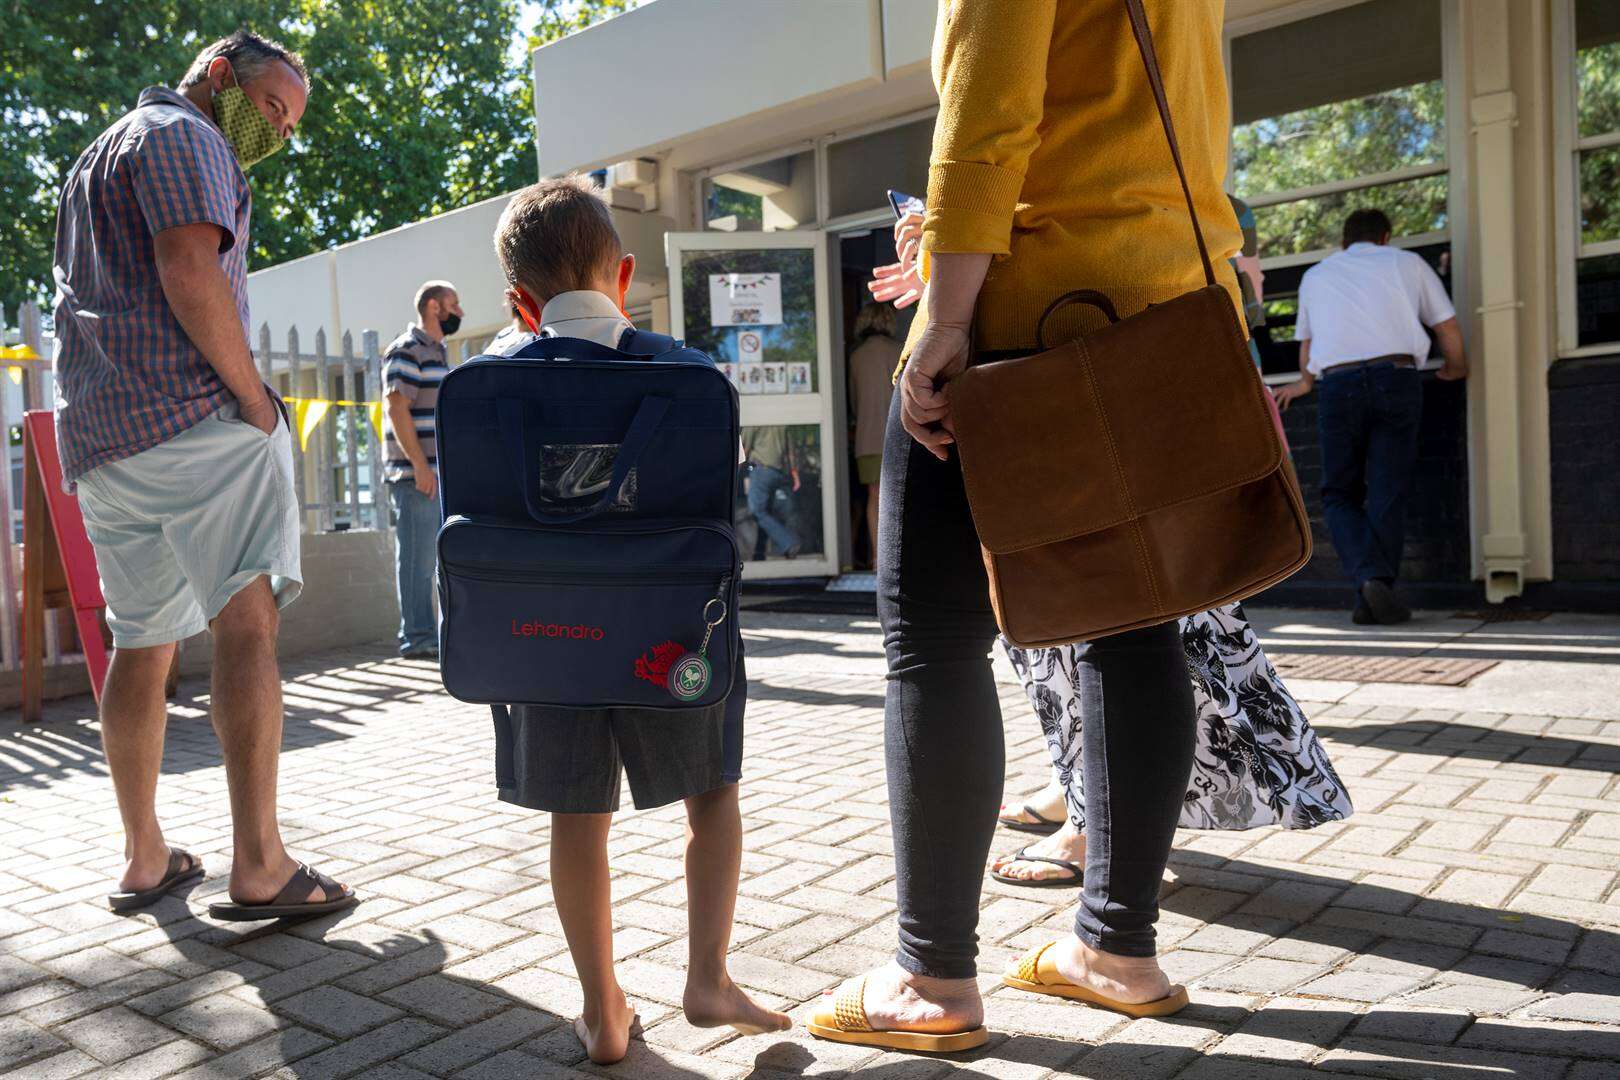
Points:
(750, 346)
(745, 300)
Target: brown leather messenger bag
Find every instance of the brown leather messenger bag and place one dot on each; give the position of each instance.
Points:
(1135, 474)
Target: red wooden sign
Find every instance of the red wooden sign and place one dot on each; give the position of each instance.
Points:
(59, 566)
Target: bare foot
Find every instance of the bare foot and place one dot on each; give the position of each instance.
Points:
(606, 1030)
(1067, 843)
(716, 1004)
(1131, 979)
(1048, 803)
(262, 884)
(897, 1000)
(145, 867)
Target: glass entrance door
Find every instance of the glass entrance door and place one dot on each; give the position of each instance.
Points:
(758, 304)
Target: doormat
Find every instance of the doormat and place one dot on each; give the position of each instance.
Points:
(1340, 667)
(811, 603)
(1496, 615)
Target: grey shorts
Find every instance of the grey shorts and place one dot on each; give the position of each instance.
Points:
(179, 529)
(569, 761)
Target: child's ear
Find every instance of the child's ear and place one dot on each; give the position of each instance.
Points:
(526, 307)
(627, 271)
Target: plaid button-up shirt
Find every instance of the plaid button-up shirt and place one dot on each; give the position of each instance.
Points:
(127, 376)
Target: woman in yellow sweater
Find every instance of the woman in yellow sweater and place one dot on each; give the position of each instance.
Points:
(1050, 172)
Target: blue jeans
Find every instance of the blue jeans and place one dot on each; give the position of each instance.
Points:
(763, 484)
(416, 531)
(1369, 424)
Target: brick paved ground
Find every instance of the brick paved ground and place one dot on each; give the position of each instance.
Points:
(1463, 924)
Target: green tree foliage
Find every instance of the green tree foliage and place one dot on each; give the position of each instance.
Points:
(1337, 141)
(1597, 72)
(416, 108)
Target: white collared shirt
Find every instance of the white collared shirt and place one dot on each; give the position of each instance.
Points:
(586, 314)
(1366, 301)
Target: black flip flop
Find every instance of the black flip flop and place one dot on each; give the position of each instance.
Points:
(338, 897)
(1041, 826)
(184, 867)
(1044, 883)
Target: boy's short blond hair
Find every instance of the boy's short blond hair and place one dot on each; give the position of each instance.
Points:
(557, 236)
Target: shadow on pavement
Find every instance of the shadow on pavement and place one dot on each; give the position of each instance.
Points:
(325, 695)
(1471, 742)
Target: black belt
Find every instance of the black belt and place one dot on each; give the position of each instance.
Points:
(1397, 359)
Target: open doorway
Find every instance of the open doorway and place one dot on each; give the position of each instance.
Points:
(869, 338)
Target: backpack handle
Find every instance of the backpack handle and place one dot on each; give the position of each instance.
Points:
(636, 439)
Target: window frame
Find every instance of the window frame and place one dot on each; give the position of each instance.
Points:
(1454, 165)
(1568, 145)
(698, 177)
(823, 158)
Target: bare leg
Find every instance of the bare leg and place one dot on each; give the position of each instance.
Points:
(579, 881)
(247, 718)
(133, 717)
(713, 861)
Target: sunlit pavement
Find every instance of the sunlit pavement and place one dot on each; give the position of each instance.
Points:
(1464, 923)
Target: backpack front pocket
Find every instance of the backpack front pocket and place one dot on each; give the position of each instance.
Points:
(588, 618)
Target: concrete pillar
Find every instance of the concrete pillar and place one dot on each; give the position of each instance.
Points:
(1504, 416)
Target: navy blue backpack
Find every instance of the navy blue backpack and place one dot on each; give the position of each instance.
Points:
(588, 557)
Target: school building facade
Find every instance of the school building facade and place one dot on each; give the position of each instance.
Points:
(750, 145)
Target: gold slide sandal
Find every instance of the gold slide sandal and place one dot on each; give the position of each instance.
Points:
(845, 1021)
(1038, 974)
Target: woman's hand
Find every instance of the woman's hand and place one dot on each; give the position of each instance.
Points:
(940, 355)
(941, 351)
(897, 283)
(901, 281)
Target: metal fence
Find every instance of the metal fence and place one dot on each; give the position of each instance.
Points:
(338, 462)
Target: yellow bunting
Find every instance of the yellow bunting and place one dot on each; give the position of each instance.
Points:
(23, 352)
(311, 414)
(16, 375)
(332, 401)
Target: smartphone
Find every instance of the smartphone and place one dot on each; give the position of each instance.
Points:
(903, 204)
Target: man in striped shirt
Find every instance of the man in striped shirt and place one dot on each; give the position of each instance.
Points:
(180, 454)
(416, 362)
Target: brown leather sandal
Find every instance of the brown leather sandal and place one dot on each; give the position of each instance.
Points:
(184, 867)
(338, 897)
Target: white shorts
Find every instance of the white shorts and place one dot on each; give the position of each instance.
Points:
(179, 529)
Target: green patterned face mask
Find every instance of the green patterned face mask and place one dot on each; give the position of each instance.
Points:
(249, 133)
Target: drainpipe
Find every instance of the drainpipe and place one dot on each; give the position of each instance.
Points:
(1493, 114)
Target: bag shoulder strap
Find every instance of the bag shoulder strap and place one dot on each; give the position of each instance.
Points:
(645, 342)
(1150, 60)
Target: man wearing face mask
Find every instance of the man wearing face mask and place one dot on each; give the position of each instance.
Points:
(181, 456)
(414, 365)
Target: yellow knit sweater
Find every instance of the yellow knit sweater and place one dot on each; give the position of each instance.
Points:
(1048, 153)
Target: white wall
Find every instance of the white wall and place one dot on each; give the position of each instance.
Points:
(348, 599)
(369, 284)
(675, 67)
(908, 35)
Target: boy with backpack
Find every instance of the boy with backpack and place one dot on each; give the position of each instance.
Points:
(567, 274)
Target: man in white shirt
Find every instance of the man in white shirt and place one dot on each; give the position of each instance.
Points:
(1362, 313)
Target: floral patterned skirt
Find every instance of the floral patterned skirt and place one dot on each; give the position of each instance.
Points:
(1256, 762)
